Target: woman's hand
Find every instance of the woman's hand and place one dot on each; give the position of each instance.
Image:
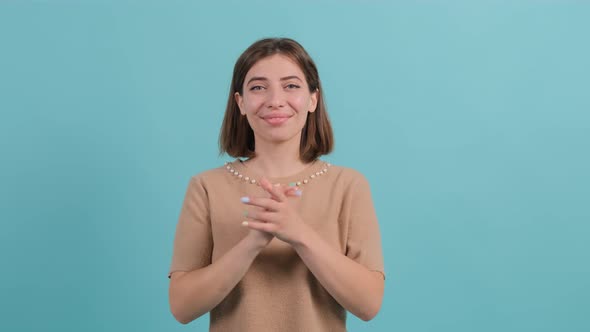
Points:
(259, 238)
(276, 216)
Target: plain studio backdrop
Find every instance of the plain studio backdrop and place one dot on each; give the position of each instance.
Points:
(469, 118)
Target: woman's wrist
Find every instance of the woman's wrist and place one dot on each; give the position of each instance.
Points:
(257, 241)
(304, 236)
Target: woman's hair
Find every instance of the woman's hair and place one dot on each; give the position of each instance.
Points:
(237, 138)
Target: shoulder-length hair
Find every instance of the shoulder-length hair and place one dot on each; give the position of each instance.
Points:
(237, 138)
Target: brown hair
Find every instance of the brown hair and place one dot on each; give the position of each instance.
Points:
(237, 138)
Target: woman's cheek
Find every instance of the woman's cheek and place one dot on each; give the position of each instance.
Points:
(300, 103)
(254, 105)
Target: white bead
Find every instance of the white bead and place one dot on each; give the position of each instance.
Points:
(305, 181)
(240, 176)
(247, 178)
(253, 181)
(325, 170)
(312, 176)
(298, 183)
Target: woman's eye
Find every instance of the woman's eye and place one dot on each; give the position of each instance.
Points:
(292, 86)
(256, 88)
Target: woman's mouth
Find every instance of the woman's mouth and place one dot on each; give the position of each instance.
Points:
(275, 121)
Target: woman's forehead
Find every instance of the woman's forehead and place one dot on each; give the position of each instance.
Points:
(275, 67)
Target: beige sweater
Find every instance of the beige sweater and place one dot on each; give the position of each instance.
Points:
(278, 293)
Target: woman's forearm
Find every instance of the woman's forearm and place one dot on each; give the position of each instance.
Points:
(195, 293)
(354, 287)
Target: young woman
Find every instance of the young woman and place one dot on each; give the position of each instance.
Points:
(276, 240)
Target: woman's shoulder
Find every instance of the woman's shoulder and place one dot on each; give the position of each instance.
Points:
(350, 181)
(347, 174)
(211, 175)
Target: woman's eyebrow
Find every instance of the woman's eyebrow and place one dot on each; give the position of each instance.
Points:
(286, 78)
(257, 78)
(261, 78)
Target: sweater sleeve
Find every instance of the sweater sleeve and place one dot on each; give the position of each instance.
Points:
(193, 242)
(364, 239)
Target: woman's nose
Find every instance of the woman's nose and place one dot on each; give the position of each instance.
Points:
(276, 98)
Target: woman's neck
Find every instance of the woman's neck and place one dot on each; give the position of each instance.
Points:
(277, 160)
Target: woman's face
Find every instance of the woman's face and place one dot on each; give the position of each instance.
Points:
(276, 99)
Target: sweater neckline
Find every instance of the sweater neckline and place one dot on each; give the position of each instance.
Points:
(313, 169)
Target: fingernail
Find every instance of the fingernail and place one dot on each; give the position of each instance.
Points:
(245, 199)
(298, 192)
(245, 213)
(244, 223)
(292, 184)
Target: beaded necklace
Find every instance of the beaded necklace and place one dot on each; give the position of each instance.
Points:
(305, 180)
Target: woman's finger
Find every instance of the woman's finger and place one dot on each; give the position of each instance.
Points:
(259, 226)
(275, 192)
(261, 216)
(292, 192)
(265, 203)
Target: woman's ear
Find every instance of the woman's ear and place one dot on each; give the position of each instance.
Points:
(313, 100)
(240, 101)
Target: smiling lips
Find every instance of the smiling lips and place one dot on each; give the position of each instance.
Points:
(276, 119)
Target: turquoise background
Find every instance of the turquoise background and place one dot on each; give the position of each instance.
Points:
(469, 118)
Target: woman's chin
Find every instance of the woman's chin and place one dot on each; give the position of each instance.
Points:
(281, 138)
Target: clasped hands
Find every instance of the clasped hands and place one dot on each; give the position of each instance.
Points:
(276, 216)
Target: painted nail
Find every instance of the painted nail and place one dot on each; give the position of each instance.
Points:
(245, 199)
(298, 192)
(245, 213)
(292, 184)
(244, 223)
